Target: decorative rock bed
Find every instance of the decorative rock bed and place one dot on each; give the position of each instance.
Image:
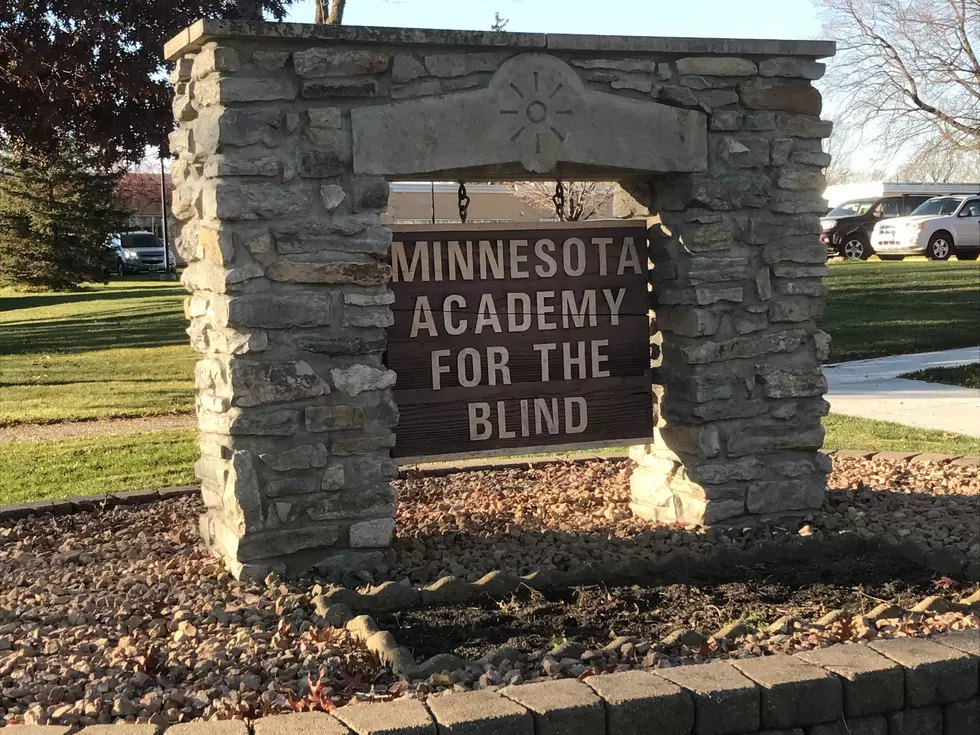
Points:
(115, 614)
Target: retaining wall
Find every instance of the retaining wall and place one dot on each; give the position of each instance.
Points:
(903, 686)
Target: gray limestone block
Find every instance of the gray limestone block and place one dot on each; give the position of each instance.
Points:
(637, 701)
(793, 692)
(717, 66)
(338, 273)
(338, 62)
(120, 729)
(934, 674)
(355, 87)
(402, 716)
(803, 126)
(307, 723)
(873, 684)
(962, 718)
(725, 701)
(928, 721)
(560, 707)
(480, 713)
(36, 730)
(791, 66)
(210, 727)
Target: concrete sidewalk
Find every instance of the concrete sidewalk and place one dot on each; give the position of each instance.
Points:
(871, 389)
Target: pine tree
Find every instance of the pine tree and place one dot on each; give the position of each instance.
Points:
(57, 211)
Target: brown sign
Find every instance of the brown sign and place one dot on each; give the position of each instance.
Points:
(510, 337)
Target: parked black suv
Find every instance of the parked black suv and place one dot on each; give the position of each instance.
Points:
(847, 227)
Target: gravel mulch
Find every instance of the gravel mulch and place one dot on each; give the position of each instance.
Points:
(102, 427)
(560, 515)
(119, 615)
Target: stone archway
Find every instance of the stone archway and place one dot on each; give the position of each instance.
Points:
(288, 137)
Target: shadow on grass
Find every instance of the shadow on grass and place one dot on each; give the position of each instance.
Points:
(31, 301)
(155, 328)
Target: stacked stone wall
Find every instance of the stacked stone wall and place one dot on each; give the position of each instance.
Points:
(288, 271)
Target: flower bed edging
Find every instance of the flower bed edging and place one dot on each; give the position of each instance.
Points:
(897, 686)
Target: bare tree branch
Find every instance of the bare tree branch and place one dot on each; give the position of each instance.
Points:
(906, 73)
(583, 199)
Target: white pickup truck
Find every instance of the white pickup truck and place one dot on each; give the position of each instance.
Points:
(937, 228)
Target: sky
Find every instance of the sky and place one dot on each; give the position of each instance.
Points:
(789, 19)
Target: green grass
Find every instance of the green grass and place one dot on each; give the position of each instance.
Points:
(848, 432)
(100, 351)
(898, 308)
(967, 376)
(155, 459)
(95, 466)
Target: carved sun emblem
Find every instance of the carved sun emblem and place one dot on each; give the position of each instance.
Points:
(540, 109)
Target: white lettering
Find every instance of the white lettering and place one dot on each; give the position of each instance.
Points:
(550, 418)
(602, 242)
(598, 358)
(475, 370)
(447, 314)
(571, 427)
(420, 259)
(497, 358)
(543, 310)
(578, 360)
(545, 271)
(578, 246)
(517, 259)
(544, 349)
(494, 261)
(487, 315)
(512, 312)
(502, 431)
(525, 419)
(437, 368)
(458, 263)
(480, 426)
(586, 309)
(614, 304)
(629, 257)
(437, 261)
(422, 318)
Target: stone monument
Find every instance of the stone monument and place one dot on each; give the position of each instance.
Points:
(288, 135)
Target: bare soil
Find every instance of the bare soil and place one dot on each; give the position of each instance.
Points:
(593, 615)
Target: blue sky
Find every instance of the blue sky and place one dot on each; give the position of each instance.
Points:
(706, 18)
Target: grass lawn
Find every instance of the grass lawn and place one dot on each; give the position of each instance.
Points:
(94, 466)
(967, 376)
(155, 459)
(898, 308)
(100, 351)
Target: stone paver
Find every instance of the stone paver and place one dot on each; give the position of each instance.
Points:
(562, 707)
(636, 701)
(306, 723)
(933, 673)
(873, 684)
(928, 721)
(210, 727)
(963, 718)
(482, 712)
(872, 389)
(793, 692)
(860, 726)
(400, 717)
(725, 701)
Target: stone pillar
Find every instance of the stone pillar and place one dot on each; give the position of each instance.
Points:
(287, 267)
(736, 297)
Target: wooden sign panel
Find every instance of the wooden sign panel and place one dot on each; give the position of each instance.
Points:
(513, 337)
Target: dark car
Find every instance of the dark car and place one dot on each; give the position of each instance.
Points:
(137, 252)
(847, 227)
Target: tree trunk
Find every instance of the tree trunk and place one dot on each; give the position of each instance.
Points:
(336, 16)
